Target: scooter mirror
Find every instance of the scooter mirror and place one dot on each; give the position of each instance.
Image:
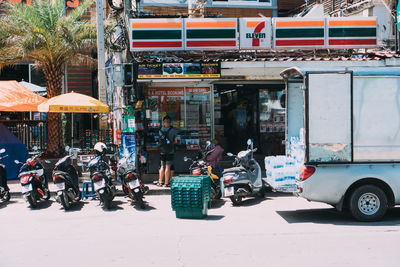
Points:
(67, 148)
(2, 150)
(229, 154)
(208, 143)
(35, 148)
(17, 161)
(185, 159)
(249, 142)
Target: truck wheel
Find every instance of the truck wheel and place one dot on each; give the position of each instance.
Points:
(368, 203)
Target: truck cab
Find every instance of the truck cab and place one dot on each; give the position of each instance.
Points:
(350, 121)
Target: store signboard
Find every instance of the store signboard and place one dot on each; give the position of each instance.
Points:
(351, 32)
(156, 34)
(201, 90)
(301, 33)
(199, 70)
(166, 91)
(255, 33)
(211, 34)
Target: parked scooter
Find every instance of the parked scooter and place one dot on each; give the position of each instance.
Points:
(65, 178)
(199, 167)
(243, 180)
(33, 180)
(132, 185)
(101, 176)
(4, 190)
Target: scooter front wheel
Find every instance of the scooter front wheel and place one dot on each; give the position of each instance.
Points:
(106, 199)
(64, 201)
(236, 200)
(31, 201)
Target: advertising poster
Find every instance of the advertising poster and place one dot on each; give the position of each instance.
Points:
(128, 145)
(178, 70)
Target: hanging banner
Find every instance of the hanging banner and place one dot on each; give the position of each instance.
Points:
(255, 33)
(301, 33)
(156, 34)
(128, 145)
(351, 32)
(199, 70)
(211, 34)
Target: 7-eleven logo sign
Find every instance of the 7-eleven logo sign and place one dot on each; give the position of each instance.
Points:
(255, 33)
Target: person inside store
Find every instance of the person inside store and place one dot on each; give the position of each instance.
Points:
(240, 122)
(215, 156)
(166, 146)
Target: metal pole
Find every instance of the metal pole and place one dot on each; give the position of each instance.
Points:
(72, 130)
(101, 64)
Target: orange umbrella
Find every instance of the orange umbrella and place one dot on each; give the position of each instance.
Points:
(15, 97)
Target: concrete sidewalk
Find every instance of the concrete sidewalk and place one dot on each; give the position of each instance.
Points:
(15, 188)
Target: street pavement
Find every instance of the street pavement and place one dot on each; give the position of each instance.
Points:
(280, 230)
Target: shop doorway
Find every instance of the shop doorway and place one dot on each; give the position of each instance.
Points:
(255, 111)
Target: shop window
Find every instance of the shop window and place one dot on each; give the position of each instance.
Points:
(189, 109)
(198, 116)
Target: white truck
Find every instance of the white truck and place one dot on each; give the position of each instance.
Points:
(351, 121)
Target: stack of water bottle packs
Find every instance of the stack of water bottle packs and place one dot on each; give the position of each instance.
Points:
(190, 196)
(282, 171)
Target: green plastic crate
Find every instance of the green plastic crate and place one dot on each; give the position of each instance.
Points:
(190, 213)
(190, 196)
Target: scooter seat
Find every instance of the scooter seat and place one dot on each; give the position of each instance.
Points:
(234, 169)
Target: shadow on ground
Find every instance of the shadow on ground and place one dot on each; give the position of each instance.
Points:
(218, 203)
(4, 204)
(115, 205)
(41, 204)
(334, 217)
(251, 201)
(76, 207)
(147, 206)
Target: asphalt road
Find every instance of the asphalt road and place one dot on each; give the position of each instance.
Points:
(276, 231)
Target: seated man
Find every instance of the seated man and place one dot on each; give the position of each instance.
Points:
(214, 158)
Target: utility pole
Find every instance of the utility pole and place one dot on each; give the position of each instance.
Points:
(101, 62)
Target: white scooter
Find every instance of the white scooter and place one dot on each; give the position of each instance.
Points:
(243, 180)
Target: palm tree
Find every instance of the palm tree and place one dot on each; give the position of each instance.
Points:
(43, 33)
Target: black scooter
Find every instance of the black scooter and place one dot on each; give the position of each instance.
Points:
(33, 180)
(101, 178)
(4, 190)
(65, 178)
(132, 185)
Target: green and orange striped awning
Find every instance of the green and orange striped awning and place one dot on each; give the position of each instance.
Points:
(211, 34)
(351, 32)
(156, 34)
(301, 33)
